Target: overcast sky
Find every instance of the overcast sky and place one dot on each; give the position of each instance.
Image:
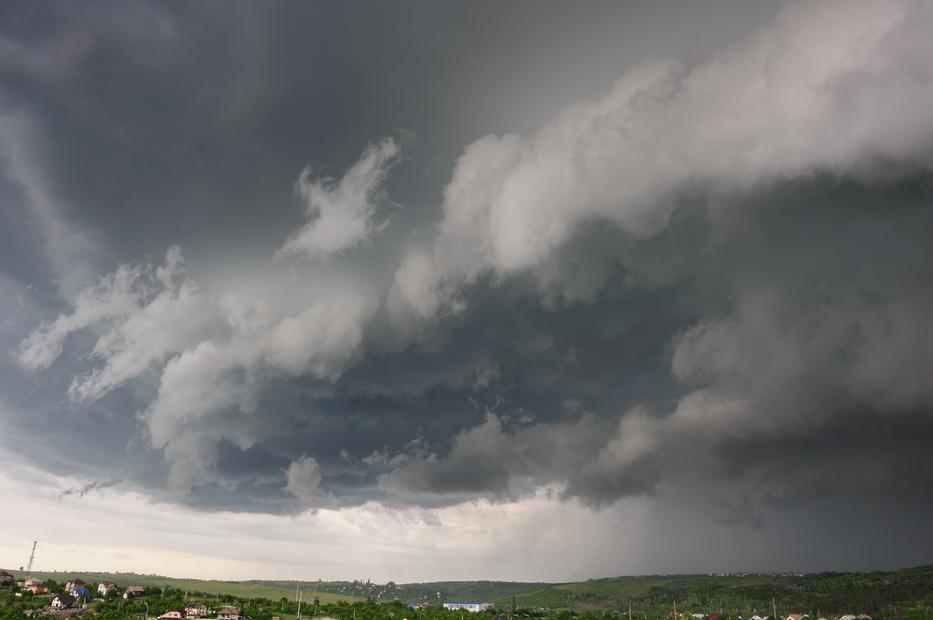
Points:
(482, 290)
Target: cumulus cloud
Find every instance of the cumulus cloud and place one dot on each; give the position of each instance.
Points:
(342, 214)
(211, 353)
(211, 377)
(814, 93)
(147, 312)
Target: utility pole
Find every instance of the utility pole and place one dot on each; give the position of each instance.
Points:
(299, 605)
(774, 609)
(630, 609)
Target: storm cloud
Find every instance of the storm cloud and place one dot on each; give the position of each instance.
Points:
(712, 269)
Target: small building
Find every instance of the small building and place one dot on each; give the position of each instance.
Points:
(74, 582)
(231, 613)
(36, 587)
(173, 614)
(5, 578)
(132, 591)
(195, 610)
(80, 591)
(106, 587)
(471, 606)
(63, 601)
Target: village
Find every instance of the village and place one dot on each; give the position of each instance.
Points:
(73, 597)
(77, 597)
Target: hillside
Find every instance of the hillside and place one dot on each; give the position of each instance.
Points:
(823, 593)
(880, 593)
(241, 589)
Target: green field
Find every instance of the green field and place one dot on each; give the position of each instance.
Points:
(874, 592)
(241, 589)
(881, 593)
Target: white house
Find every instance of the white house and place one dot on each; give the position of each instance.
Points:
(63, 601)
(104, 587)
(75, 582)
(195, 610)
(230, 613)
(472, 606)
(173, 614)
(132, 591)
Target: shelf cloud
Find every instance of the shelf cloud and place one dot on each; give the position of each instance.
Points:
(708, 276)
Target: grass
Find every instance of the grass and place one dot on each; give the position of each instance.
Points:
(212, 587)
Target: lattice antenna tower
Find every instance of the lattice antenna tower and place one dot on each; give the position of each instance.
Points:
(32, 556)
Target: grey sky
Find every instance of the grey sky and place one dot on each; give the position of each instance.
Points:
(415, 262)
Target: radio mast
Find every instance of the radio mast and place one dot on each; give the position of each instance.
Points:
(32, 556)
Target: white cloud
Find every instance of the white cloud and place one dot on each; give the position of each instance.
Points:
(342, 215)
(143, 306)
(814, 93)
(213, 353)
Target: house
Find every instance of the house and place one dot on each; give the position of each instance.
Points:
(105, 587)
(472, 606)
(195, 610)
(132, 591)
(5, 578)
(79, 591)
(75, 582)
(231, 613)
(173, 614)
(36, 587)
(63, 601)
(796, 617)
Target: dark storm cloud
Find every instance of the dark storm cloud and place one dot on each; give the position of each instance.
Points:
(719, 270)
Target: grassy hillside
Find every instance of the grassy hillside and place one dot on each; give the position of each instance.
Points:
(881, 594)
(824, 593)
(241, 589)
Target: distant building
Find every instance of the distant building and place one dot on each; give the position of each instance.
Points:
(173, 614)
(231, 613)
(472, 606)
(79, 591)
(75, 582)
(63, 601)
(132, 591)
(5, 578)
(36, 587)
(105, 587)
(195, 610)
